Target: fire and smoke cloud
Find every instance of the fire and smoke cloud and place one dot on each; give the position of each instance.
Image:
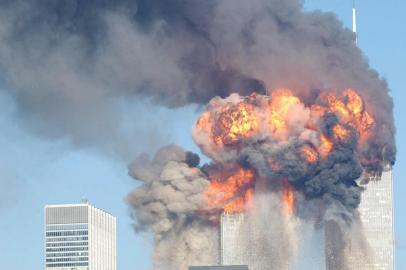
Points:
(307, 129)
(298, 154)
(294, 110)
(319, 149)
(68, 62)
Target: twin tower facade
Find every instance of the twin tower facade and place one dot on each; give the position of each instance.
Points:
(315, 246)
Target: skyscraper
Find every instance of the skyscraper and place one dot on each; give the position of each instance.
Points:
(242, 243)
(372, 249)
(232, 251)
(80, 237)
(376, 214)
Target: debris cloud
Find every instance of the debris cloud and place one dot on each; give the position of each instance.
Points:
(294, 111)
(67, 62)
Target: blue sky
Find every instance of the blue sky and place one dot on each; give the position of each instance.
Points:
(35, 172)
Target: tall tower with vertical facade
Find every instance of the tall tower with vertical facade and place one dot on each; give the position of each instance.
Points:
(232, 250)
(376, 214)
(240, 244)
(80, 237)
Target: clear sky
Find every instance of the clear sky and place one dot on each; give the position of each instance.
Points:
(35, 172)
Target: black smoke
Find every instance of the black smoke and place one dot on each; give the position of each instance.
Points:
(71, 65)
(67, 62)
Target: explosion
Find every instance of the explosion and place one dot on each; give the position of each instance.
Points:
(294, 119)
(230, 189)
(272, 155)
(311, 133)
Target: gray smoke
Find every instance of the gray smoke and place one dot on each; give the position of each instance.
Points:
(167, 203)
(72, 65)
(335, 246)
(67, 62)
(346, 245)
(170, 202)
(267, 237)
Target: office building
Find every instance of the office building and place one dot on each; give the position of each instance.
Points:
(79, 237)
(242, 243)
(232, 247)
(372, 245)
(376, 214)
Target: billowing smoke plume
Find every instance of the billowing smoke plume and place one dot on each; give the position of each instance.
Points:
(172, 202)
(72, 65)
(68, 62)
(167, 203)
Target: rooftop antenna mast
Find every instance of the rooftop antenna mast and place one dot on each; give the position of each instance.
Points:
(354, 22)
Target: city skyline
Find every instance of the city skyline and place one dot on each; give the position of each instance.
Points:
(103, 179)
(232, 227)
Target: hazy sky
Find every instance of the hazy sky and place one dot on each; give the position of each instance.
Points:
(35, 172)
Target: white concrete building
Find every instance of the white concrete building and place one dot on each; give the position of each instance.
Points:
(79, 237)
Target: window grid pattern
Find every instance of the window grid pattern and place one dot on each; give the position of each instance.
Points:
(376, 213)
(79, 237)
(66, 244)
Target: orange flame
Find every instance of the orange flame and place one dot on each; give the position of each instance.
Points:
(309, 153)
(230, 189)
(325, 146)
(281, 103)
(229, 123)
(337, 106)
(288, 198)
(234, 123)
(341, 132)
(365, 122)
(354, 102)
